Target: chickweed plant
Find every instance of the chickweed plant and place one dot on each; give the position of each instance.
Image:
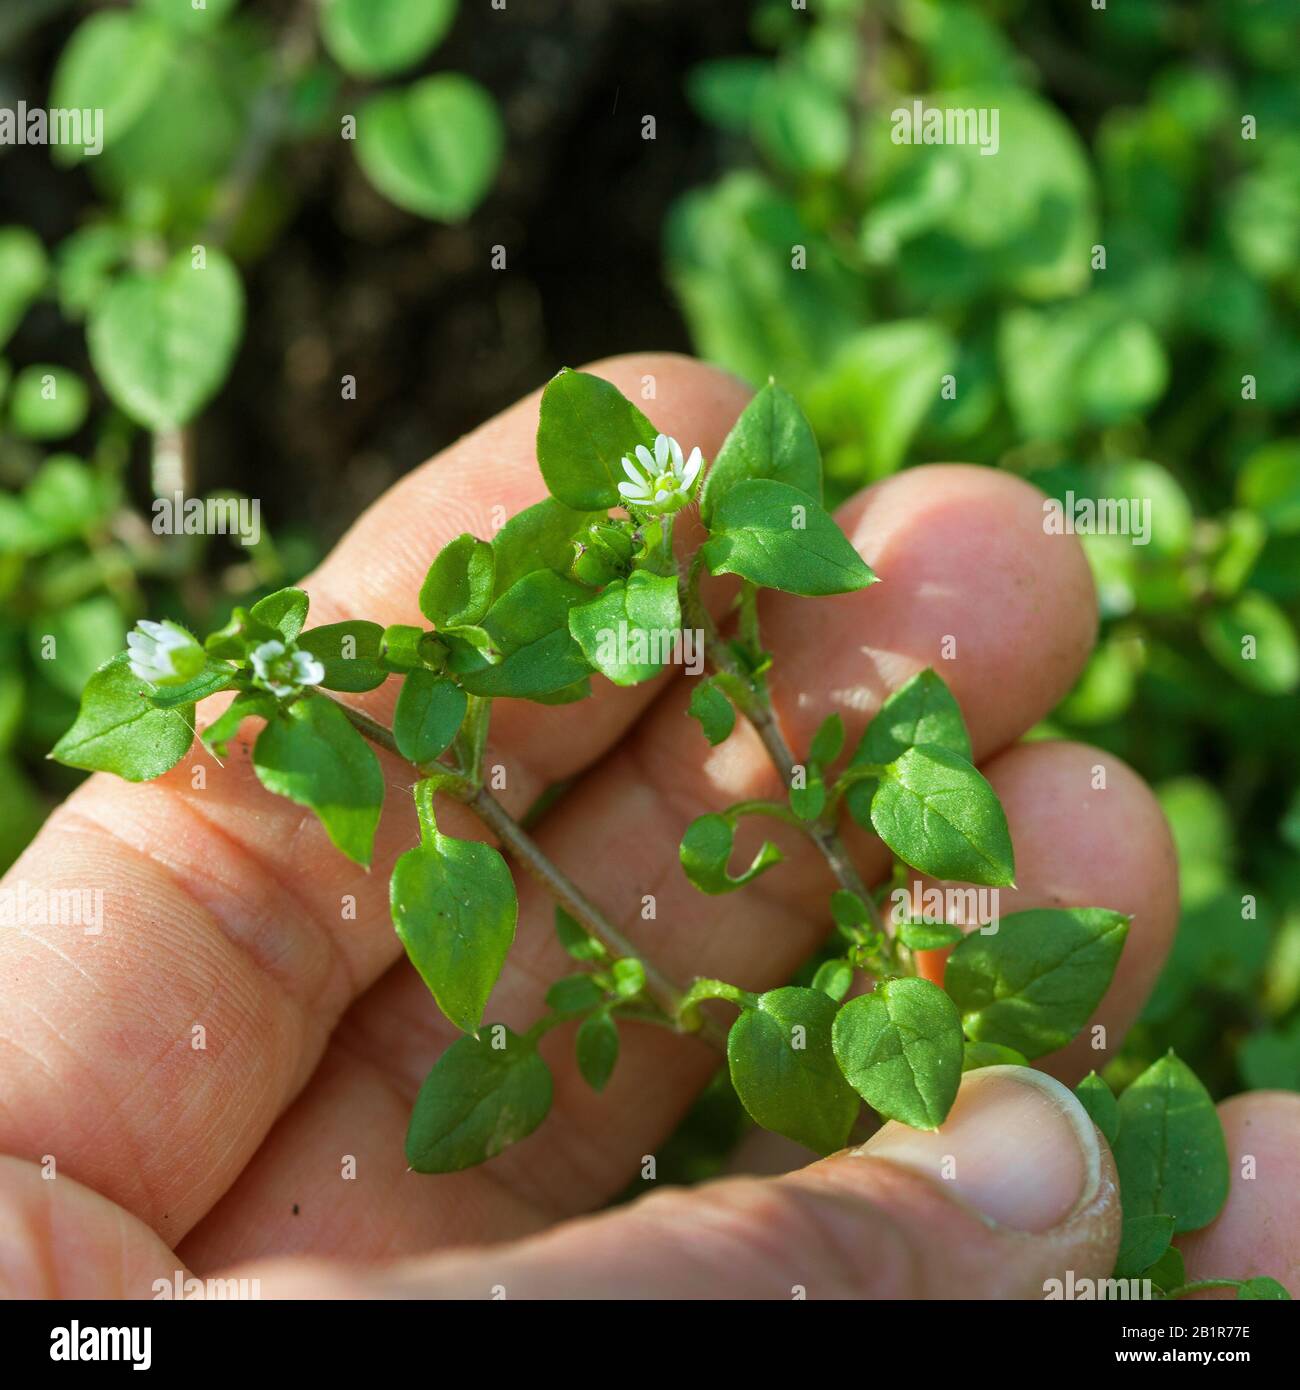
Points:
(587, 583)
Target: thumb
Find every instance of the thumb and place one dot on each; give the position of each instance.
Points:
(1014, 1189)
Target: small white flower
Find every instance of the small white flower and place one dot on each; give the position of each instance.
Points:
(163, 653)
(662, 481)
(284, 672)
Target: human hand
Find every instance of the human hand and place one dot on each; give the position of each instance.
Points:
(223, 910)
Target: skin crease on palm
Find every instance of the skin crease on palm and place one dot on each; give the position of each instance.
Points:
(222, 907)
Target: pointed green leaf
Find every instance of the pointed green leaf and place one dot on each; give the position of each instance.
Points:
(1034, 982)
(784, 1071)
(900, 1048)
(1170, 1152)
(597, 1049)
(285, 611)
(1261, 1288)
(1099, 1101)
(938, 814)
(120, 730)
(777, 536)
(929, 936)
(482, 1095)
(577, 942)
(771, 439)
(310, 753)
(455, 910)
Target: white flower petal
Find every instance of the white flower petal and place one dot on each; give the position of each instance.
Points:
(662, 443)
(692, 471)
(632, 471)
(153, 629)
(637, 491)
(677, 456)
(646, 457)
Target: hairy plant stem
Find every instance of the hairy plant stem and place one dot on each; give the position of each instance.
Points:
(756, 705)
(526, 852)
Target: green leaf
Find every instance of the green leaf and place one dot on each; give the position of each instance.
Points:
(1143, 1241)
(376, 38)
(529, 626)
(775, 535)
(459, 586)
(432, 148)
(706, 848)
(117, 729)
(430, 710)
(716, 714)
(1170, 1151)
(783, 1069)
(827, 741)
(1252, 637)
(938, 814)
(349, 652)
(455, 910)
(23, 271)
(575, 994)
(631, 629)
(162, 341)
(809, 800)
(585, 429)
(1035, 982)
(310, 753)
(1260, 1288)
(900, 1048)
(285, 611)
(478, 1099)
(575, 940)
(1099, 1101)
(726, 91)
(114, 63)
(834, 978)
(250, 704)
(771, 439)
(981, 1054)
(801, 125)
(541, 537)
(48, 402)
(929, 936)
(597, 1049)
(922, 711)
(1269, 483)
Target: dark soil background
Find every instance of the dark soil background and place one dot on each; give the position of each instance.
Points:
(437, 339)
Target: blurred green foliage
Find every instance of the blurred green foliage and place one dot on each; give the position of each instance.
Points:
(1112, 301)
(200, 108)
